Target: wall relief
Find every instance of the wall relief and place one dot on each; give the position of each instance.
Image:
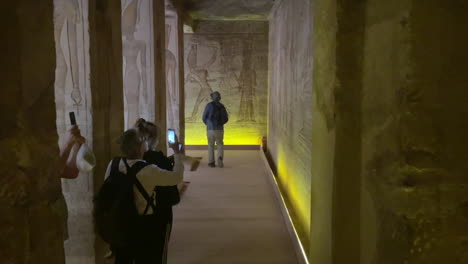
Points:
(138, 61)
(232, 58)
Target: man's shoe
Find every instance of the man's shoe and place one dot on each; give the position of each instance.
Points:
(212, 164)
(220, 162)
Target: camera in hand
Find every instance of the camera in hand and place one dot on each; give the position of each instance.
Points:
(72, 118)
(171, 136)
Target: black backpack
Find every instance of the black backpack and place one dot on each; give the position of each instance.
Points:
(217, 115)
(115, 212)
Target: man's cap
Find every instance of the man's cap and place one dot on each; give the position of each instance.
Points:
(215, 96)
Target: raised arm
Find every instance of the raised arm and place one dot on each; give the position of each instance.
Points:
(68, 170)
(152, 175)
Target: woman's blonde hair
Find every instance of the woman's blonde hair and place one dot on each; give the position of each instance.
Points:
(148, 129)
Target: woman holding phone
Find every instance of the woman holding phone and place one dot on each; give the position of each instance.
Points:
(166, 196)
(149, 244)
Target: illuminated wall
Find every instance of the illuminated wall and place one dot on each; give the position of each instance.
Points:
(73, 93)
(138, 60)
(290, 105)
(232, 58)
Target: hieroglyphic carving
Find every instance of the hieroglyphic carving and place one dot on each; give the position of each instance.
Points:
(67, 16)
(72, 93)
(290, 95)
(229, 79)
(198, 73)
(248, 82)
(230, 58)
(134, 74)
(138, 64)
(172, 77)
(171, 66)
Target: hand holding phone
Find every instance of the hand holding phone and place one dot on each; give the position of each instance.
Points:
(171, 136)
(173, 141)
(72, 118)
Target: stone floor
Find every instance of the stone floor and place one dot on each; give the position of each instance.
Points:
(230, 215)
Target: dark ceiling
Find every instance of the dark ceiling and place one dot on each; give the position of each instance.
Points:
(228, 9)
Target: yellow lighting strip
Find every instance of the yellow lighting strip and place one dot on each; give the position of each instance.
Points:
(287, 211)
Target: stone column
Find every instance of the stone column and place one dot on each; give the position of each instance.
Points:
(72, 93)
(180, 38)
(347, 156)
(106, 87)
(174, 69)
(160, 71)
(414, 132)
(138, 60)
(30, 193)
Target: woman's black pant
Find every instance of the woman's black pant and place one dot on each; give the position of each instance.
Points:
(151, 241)
(165, 227)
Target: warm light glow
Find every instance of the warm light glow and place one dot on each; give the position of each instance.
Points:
(304, 255)
(234, 134)
(294, 187)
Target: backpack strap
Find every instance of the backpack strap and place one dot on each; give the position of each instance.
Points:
(133, 171)
(115, 165)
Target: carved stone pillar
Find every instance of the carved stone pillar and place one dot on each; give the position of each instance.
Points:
(138, 60)
(72, 93)
(106, 87)
(174, 70)
(30, 193)
(160, 71)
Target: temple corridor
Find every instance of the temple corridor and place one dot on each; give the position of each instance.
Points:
(227, 211)
(359, 108)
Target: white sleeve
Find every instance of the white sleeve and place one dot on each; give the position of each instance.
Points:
(151, 175)
(108, 170)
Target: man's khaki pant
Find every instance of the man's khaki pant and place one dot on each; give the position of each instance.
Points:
(215, 136)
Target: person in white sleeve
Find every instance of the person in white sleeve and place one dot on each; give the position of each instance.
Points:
(133, 145)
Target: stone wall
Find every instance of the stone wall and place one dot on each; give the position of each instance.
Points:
(172, 71)
(73, 94)
(290, 106)
(229, 57)
(388, 151)
(414, 133)
(138, 60)
(31, 221)
(324, 130)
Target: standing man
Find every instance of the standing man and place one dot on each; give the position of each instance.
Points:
(214, 117)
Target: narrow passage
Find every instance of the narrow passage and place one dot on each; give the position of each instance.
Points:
(230, 215)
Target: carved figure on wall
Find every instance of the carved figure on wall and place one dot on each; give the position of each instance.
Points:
(171, 81)
(134, 76)
(248, 82)
(199, 74)
(66, 12)
(230, 80)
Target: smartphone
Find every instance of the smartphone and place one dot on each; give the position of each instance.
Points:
(171, 136)
(72, 118)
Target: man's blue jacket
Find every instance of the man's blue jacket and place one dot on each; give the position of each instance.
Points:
(215, 116)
